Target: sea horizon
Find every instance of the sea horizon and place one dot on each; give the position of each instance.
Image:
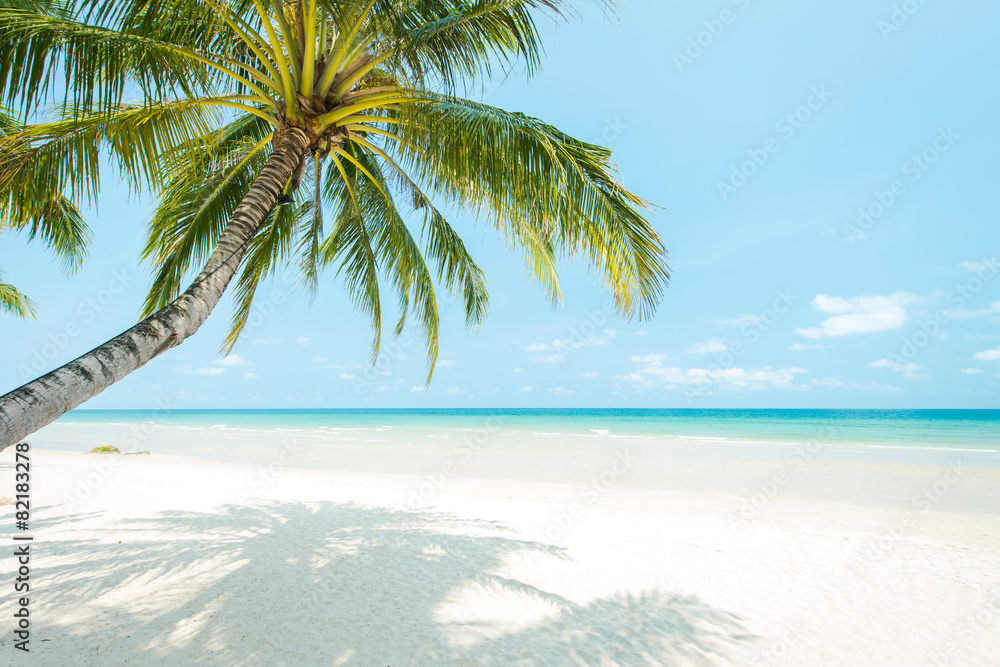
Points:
(953, 429)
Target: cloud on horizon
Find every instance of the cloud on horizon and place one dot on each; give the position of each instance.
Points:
(910, 371)
(652, 372)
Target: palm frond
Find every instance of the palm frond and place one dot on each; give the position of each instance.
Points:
(352, 74)
(370, 238)
(45, 48)
(210, 178)
(349, 247)
(451, 40)
(399, 255)
(529, 175)
(65, 155)
(45, 212)
(14, 301)
(268, 250)
(456, 267)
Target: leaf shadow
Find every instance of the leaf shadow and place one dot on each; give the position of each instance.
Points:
(327, 583)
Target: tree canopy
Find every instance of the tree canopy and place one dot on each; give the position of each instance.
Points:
(377, 87)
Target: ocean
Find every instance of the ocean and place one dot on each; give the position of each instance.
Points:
(972, 430)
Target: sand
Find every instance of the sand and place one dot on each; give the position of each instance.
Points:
(166, 560)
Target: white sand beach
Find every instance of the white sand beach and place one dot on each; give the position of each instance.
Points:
(168, 560)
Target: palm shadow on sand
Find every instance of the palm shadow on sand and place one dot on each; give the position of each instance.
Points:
(325, 583)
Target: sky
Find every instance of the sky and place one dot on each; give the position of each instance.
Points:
(826, 182)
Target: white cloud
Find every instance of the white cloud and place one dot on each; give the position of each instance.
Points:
(653, 368)
(837, 383)
(249, 376)
(972, 371)
(559, 391)
(590, 375)
(642, 333)
(445, 363)
(231, 360)
(319, 360)
(453, 391)
(348, 376)
(586, 342)
(650, 358)
(965, 313)
(562, 346)
(987, 265)
(859, 315)
(799, 347)
(517, 370)
(418, 389)
(267, 341)
(707, 347)
(551, 358)
(527, 388)
(203, 371)
(899, 368)
(988, 355)
(741, 321)
(909, 370)
(302, 340)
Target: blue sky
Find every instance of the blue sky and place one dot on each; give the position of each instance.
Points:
(827, 174)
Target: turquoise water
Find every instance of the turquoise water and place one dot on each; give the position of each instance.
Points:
(946, 429)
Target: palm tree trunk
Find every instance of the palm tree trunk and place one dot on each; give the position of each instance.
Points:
(40, 402)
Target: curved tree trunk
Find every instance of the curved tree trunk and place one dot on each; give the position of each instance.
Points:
(42, 401)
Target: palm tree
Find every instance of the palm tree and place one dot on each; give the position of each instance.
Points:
(259, 116)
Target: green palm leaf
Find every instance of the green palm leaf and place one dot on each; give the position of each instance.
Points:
(358, 84)
(210, 177)
(537, 182)
(44, 47)
(14, 301)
